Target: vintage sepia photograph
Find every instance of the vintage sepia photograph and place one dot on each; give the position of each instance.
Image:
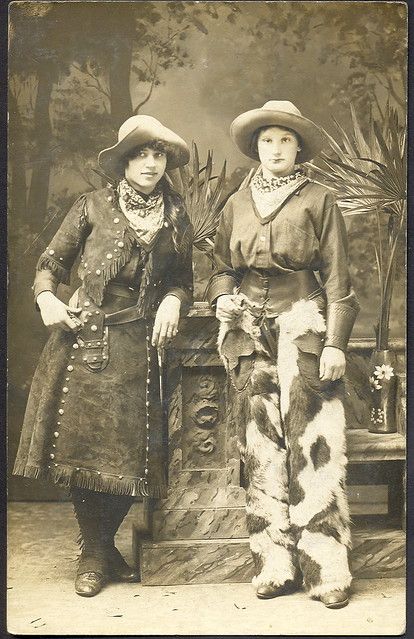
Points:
(207, 210)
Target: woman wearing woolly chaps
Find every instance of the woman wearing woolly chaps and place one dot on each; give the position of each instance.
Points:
(286, 307)
(94, 420)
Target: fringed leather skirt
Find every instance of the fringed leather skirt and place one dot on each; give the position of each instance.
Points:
(93, 417)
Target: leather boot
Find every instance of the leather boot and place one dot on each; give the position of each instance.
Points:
(116, 509)
(269, 591)
(335, 599)
(93, 570)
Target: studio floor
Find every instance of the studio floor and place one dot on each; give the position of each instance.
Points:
(42, 555)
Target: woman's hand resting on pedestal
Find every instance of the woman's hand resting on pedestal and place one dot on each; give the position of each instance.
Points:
(166, 321)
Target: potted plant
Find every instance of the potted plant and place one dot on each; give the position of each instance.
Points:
(367, 172)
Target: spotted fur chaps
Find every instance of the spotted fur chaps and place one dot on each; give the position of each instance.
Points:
(292, 443)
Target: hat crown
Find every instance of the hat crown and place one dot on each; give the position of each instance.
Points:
(135, 122)
(281, 105)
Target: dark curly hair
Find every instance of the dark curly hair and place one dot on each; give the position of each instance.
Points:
(155, 145)
(255, 136)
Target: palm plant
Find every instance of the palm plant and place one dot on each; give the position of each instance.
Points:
(368, 177)
(202, 194)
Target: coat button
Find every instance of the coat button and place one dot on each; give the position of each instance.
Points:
(65, 389)
(116, 220)
(75, 345)
(98, 271)
(52, 456)
(109, 256)
(109, 198)
(51, 252)
(56, 434)
(69, 368)
(61, 411)
(121, 244)
(94, 328)
(87, 303)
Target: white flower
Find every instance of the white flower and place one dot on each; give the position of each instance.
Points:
(375, 385)
(384, 372)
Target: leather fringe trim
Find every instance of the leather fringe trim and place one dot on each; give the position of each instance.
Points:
(92, 481)
(95, 289)
(45, 262)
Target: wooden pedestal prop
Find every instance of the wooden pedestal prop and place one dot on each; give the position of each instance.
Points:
(198, 533)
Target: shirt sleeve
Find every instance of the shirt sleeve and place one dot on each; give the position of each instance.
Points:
(56, 261)
(179, 281)
(225, 277)
(342, 305)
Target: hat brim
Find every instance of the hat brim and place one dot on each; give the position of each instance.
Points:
(111, 160)
(243, 127)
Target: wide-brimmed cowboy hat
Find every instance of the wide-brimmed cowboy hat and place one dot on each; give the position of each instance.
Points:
(277, 113)
(136, 131)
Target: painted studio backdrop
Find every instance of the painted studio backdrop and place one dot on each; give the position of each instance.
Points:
(78, 70)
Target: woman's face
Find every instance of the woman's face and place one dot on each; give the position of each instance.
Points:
(277, 149)
(146, 169)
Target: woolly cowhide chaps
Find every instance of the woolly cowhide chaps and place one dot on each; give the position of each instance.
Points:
(292, 443)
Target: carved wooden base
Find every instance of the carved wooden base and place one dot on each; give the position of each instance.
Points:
(376, 553)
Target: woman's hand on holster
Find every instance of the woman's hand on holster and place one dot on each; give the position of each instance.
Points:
(56, 314)
(227, 308)
(332, 364)
(166, 321)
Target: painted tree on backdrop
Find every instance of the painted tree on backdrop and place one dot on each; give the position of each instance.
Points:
(73, 75)
(366, 41)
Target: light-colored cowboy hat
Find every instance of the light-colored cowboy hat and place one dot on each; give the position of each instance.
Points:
(277, 113)
(136, 131)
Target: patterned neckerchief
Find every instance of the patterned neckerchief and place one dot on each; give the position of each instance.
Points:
(145, 216)
(267, 185)
(268, 195)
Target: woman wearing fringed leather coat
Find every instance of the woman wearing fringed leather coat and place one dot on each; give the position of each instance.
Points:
(283, 336)
(94, 420)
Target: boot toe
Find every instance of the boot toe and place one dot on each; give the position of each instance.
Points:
(89, 584)
(335, 599)
(269, 591)
(129, 576)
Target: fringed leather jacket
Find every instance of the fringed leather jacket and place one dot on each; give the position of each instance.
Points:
(96, 227)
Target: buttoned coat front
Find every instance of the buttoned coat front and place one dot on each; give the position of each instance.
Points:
(93, 417)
